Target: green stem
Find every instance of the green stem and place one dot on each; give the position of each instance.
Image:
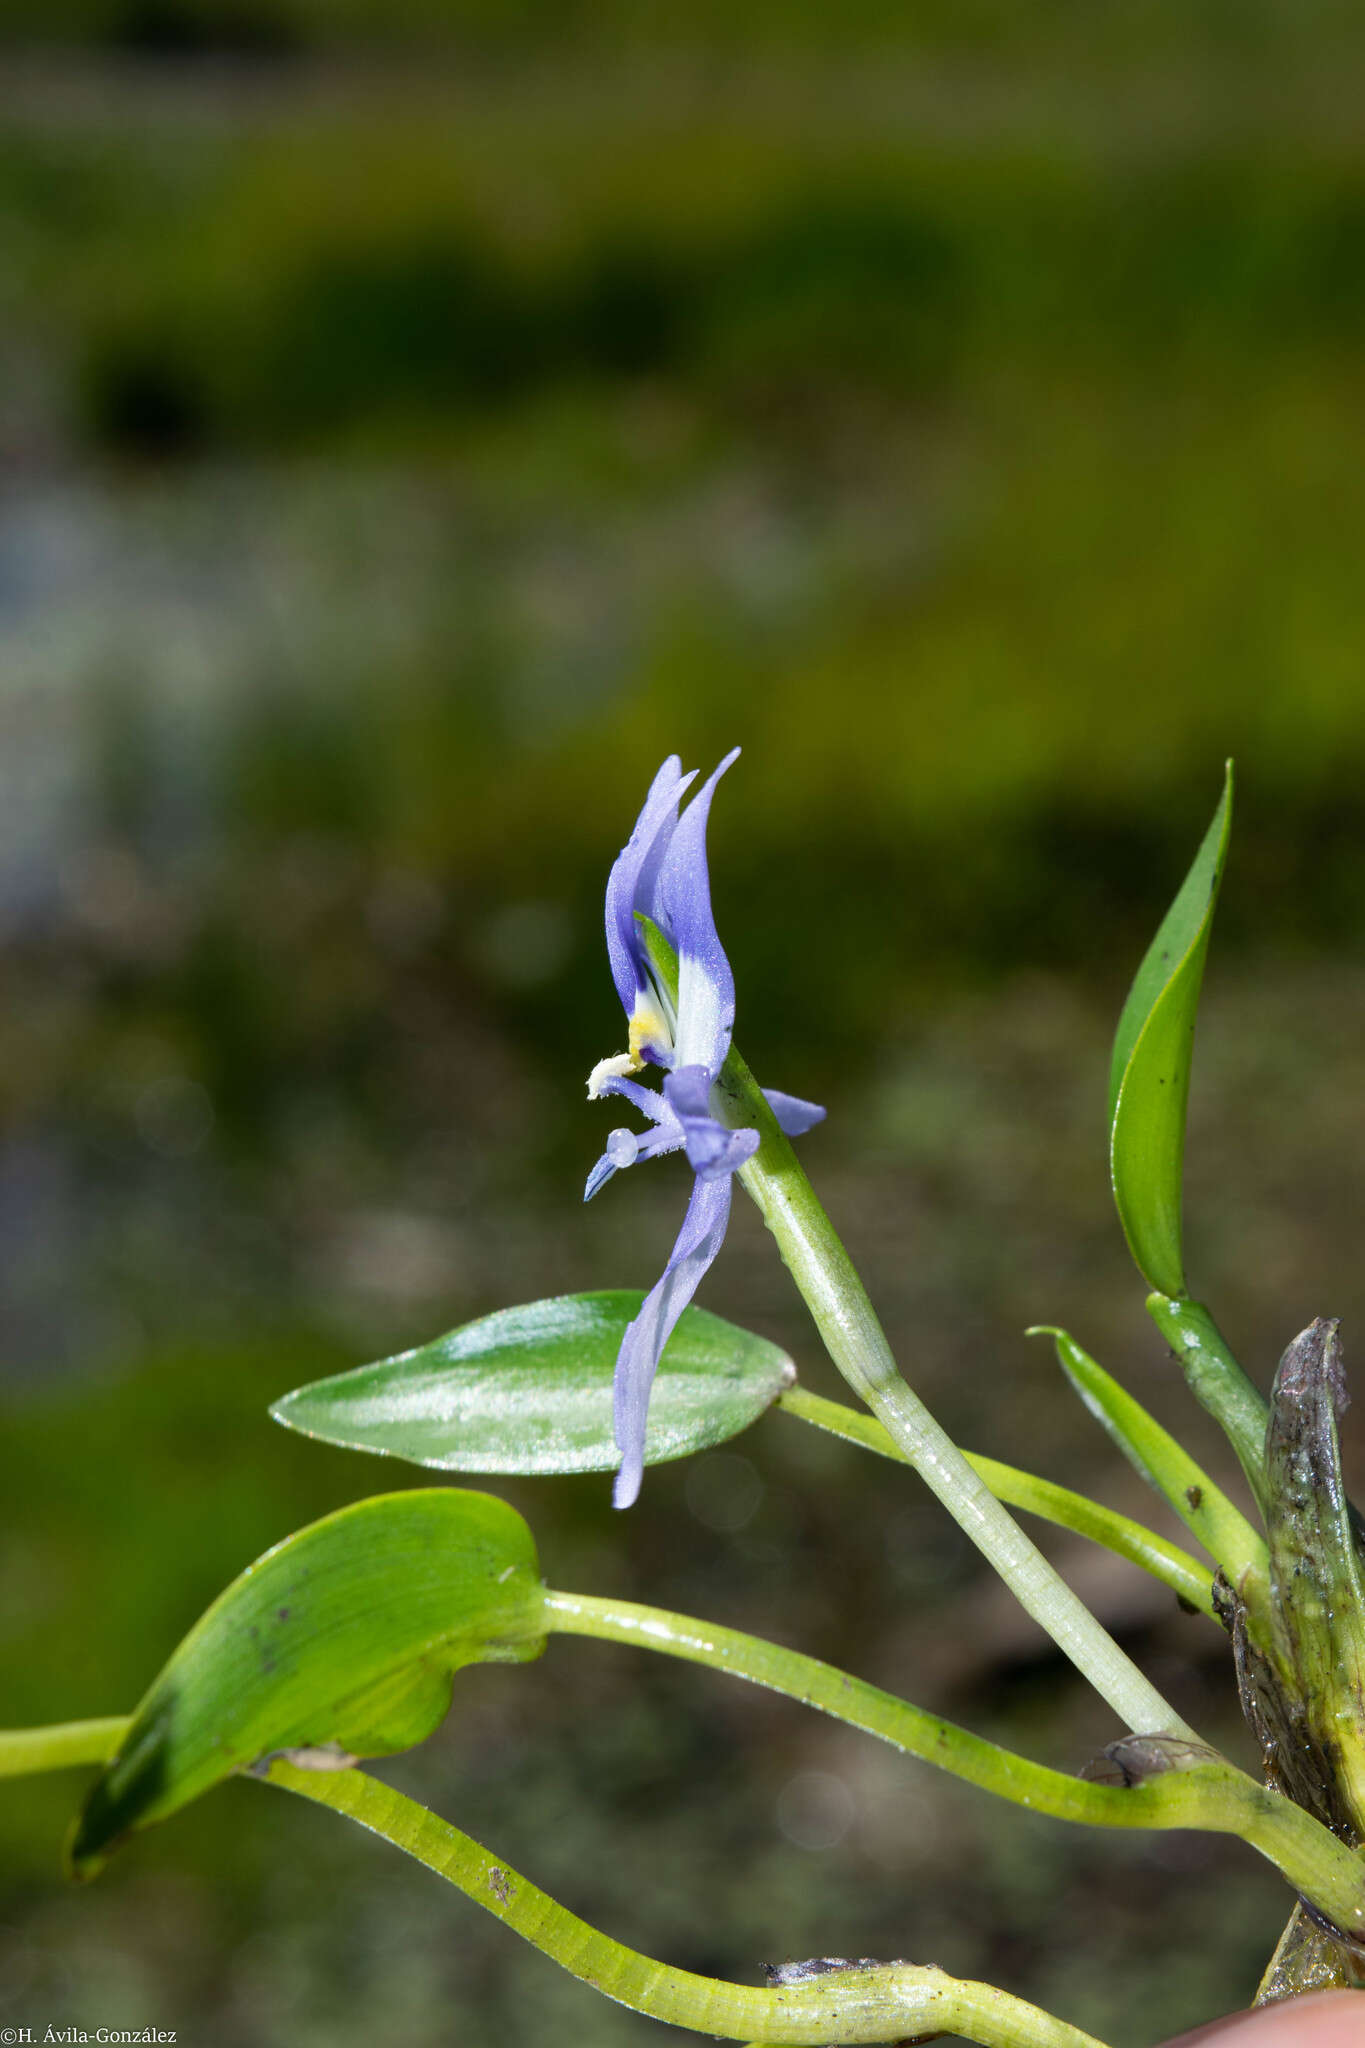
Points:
(857, 2005)
(1186, 1577)
(1216, 1380)
(26, 1750)
(1163, 1463)
(1206, 1793)
(1186, 1786)
(857, 1343)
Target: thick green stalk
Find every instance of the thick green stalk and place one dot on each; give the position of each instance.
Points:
(26, 1750)
(857, 1343)
(1189, 1580)
(857, 2005)
(1176, 1785)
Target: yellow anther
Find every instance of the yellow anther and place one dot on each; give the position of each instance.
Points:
(648, 1031)
(648, 1027)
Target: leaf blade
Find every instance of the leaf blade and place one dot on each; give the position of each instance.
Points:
(346, 1635)
(1166, 1466)
(528, 1390)
(1150, 1070)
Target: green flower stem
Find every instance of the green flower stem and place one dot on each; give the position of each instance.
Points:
(26, 1750)
(1193, 1789)
(857, 1343)
(1216, 1380)
(1186, 1577)
(858, 2005)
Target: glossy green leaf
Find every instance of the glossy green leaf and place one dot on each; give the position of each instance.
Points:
(1168, 1469)
(340, 1642)
(1150, 1073)
(529, 1390)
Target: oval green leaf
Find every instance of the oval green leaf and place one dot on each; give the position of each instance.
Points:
(529, 1390)
(1149, 1081)
(339, 1643)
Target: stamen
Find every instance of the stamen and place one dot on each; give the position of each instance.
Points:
(620, 1064)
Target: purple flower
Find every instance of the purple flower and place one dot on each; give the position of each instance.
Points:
(661, 875)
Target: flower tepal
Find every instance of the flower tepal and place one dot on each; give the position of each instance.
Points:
(661, 875)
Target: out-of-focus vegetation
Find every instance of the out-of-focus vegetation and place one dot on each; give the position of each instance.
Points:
(415, 423)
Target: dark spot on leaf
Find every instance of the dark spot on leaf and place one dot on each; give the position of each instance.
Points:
(1194, 1495)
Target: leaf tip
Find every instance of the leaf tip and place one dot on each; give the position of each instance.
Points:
(94, 1834)
(81, 1866)
(1061, 1340)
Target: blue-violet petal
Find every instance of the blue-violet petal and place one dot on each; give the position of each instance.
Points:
(700, 1238)
(794, 1115)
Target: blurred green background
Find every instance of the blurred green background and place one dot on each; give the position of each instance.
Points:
(416, 421)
